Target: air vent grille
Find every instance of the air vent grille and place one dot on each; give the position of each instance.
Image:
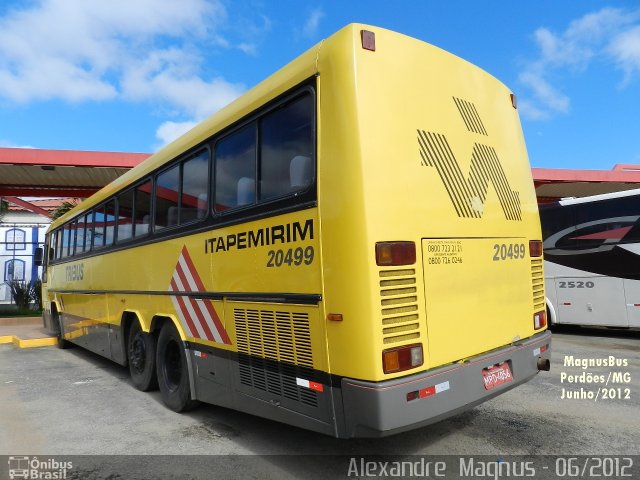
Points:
(537, 283)
(282, 336)
(399, 306)
(274, 349)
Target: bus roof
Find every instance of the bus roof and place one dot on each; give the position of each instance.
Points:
(292, 74)
(597, 198)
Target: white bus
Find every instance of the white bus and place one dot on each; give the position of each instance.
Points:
(592, 262)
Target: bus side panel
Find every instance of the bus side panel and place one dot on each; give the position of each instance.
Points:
(272, 372)
(582, 298)
(277, 346)
(591, 300)
(632, 299)
(85, 321)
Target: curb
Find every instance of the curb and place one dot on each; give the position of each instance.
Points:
(11, 321)
(31, 343)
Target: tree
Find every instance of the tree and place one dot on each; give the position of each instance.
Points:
(24, 293)
(64, 208)
(4, 208)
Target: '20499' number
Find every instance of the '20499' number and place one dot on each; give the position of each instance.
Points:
(512, 251)
(290, 257)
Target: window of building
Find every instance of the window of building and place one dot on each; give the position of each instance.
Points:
(16, 239)
(14, 270)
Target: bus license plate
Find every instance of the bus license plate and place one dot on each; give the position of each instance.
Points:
(496, 375)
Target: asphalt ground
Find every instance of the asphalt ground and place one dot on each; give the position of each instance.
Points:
(71, 402)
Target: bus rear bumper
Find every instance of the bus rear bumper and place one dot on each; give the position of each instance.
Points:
(375, 409)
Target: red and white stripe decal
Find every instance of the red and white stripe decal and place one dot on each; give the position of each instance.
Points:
(198, 317)
(434, 389)
(301, 382)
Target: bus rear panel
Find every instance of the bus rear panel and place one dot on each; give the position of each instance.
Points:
(432, 156)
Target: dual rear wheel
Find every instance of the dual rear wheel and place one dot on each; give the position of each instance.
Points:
(160, 363)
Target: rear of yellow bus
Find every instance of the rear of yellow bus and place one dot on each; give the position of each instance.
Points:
(431, 244)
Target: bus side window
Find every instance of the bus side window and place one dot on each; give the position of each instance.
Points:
(195, 180)
(110, 222)
(56, 244)
(235, 169)
(64, 252)
(286, 149)
(125, 216)
(99, 227)
(88, 236)
(142, 210)
(166, 198)
(300, 172)
(246, 191)
(80, 236)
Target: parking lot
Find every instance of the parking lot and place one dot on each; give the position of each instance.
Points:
(72, 402)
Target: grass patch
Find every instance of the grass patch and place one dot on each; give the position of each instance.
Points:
(11, 313)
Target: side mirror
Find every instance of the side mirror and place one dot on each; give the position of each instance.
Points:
(38, 256)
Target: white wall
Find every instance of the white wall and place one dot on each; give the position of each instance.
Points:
(20, 234)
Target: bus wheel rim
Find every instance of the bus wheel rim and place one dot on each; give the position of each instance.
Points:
(138, 353)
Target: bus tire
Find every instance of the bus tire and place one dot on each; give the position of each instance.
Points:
(173, 374)
(141, 356)
(61, 342)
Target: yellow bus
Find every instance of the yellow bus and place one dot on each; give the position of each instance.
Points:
(352, 247)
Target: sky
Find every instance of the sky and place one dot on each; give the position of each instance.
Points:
(132, 75)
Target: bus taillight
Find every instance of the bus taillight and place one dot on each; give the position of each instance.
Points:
(391, 254)
(535, 248)
(402, 358)
(539, 320)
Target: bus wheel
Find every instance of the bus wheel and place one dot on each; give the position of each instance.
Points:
(141, 353)
(62, 343)
(173, 375)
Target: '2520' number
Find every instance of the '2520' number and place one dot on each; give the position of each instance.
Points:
(291, 257)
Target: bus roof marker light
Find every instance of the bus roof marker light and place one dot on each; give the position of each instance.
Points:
(368, 40)
(391, 254)
(535, 248)
(334, 317)
(514, 101)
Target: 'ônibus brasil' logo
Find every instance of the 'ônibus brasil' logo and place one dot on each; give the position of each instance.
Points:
(469, 194)
(197, 316)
